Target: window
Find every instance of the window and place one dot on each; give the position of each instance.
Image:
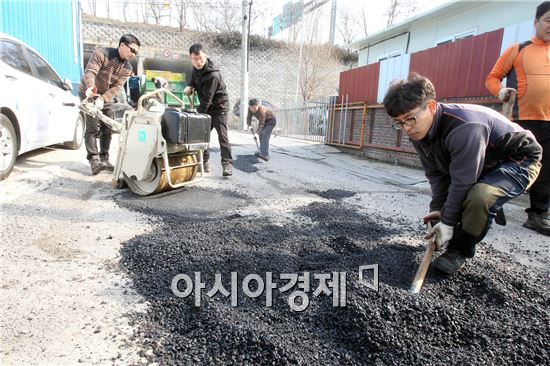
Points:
(14, 55)
(45, 72)
(393, 54)
(456, 37)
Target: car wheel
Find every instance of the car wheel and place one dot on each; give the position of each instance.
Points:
(8, 147)
(78, 136)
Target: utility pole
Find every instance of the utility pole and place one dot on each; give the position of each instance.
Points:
(332, 21)
(247, 5)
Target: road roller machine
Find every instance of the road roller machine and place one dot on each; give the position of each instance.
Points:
(160, 147)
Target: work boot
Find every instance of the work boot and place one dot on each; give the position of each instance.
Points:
(450, 262)
(500, 218)
(206, 165)
(539, 222)
(227, 169)
(97, 165)
(105, 160)
(263, 157)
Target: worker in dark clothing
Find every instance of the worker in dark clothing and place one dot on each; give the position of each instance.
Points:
(207, 81)
(266, 123)
(160, 83)
(104, 76)
(475, 160)
(528, 64)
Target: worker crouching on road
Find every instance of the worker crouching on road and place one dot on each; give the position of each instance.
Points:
(266, 123)
(475, 160)
(105, 74)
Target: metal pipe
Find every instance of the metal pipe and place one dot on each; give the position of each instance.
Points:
(341, 117)
(345, 121)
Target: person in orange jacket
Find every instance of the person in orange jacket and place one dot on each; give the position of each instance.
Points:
(526, 67)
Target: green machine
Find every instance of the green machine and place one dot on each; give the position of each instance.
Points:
(177, 84)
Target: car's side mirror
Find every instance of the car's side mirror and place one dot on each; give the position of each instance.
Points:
(67, 84)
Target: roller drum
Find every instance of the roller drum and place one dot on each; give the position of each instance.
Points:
(183, 168)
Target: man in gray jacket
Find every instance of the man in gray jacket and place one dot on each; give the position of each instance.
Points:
(474, 158)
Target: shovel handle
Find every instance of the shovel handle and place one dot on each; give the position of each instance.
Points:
(423, 267)
(508, 106)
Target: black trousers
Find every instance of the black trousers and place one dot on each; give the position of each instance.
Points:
(539, 193)
(96, 129)
(219, 122)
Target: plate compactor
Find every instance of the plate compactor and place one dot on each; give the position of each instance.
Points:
(160, 148)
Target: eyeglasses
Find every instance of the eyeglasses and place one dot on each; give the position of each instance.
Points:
(409, 122)
(133, 50)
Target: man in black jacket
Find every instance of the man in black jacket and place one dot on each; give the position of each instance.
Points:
(474, 158)
(207, 81)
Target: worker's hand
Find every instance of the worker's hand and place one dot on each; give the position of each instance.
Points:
(91, 92)
(188, 90)
(443, 233)
(432, 216)
(99, 103)
(256, 137)
(504, 94)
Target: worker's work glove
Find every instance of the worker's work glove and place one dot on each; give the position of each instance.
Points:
(99, 103)
(91, 92)
(443, 233)
(504, 94)
(432, 216)
(188, 90)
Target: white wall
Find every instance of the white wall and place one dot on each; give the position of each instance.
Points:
(480, 17)
(517, 33)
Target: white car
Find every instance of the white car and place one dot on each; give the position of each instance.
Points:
(37, 108)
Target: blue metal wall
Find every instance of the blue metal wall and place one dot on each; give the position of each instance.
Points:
(50, 27)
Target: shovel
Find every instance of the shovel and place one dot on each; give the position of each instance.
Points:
(255, 139)
(423, 267)
(508, 104)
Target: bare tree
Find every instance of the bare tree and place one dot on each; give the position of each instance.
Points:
(347, 25)
(317, 62)
(399, 9)
(318, 70)
(361, 21)
(182, 7)
(221, 16)
(144, 13)
(157, 9)
(92, 4)
(125, 4)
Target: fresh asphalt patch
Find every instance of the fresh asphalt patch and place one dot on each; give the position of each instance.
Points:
(246, 163)
(495, 311)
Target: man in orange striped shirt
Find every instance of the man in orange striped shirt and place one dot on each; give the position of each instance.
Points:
(526, 67)
(105, 74)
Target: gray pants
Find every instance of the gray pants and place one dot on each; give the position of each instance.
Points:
(265, 135)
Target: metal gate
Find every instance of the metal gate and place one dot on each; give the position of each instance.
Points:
(307, 122)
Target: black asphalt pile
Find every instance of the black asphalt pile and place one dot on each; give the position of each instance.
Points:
(333, 194)
(494, 312)
(246, 163)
